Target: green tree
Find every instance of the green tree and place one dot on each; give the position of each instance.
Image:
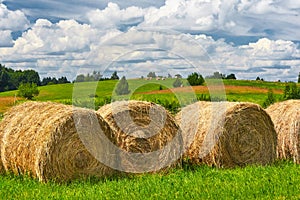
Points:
(80, 78)
(114, 76)
(62, 80)
(231, 76)
(270, 99)
(217, 75)
(97, 75)
(122, 87)
(28, 90)
(4, 80)
(151, 75)
(31, 76)
(178, 76)
(291, 91)
(177, 83)
(195, 79)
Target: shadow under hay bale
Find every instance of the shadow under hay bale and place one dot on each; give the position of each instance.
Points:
(227, 134)
(41, 139)
(286, 118)
(146, 134)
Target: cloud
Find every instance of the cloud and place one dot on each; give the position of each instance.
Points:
(112, 16)
(266, 49)
(64, 36)
(237, 18)
(12, 20)
(221, 17)
(67, 46)
(55, 10)
(178, 36)
(5, 39)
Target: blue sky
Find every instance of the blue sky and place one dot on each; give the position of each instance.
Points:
(63, 38)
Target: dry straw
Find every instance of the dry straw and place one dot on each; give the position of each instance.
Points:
(286, 118)
(1, 164)
(141, 127)
(41, 139)
(227, 134)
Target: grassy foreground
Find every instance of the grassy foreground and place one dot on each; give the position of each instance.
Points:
(279, 181)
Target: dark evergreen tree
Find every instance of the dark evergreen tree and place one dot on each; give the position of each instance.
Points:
(4, 81)
(46, 80)
(63, 80)
(11, 79)
(151, 75)
(231, 76)
(217, 75)
(122, 87)
(80, 78)
(195, 79)
(178, 76)
(114, 76)
(31, 76)
(177, 83)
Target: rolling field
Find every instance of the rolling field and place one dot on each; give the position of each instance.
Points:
(100, 93)
(280, 180)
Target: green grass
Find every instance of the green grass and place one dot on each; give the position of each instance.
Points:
(254, 98)
(81, 94)
(279, 181)
(260, 84)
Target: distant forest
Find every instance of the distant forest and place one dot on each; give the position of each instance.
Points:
(11, 79)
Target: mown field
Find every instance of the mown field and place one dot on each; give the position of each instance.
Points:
(100, 93)
(280, 180)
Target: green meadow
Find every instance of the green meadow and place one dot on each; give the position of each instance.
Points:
(280, 180)
(96, 94)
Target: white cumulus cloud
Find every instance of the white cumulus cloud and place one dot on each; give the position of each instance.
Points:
(12, 20)
(112, 16)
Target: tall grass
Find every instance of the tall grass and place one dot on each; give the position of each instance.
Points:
(279, 181)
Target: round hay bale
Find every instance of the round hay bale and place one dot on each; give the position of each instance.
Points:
(1, 164)
(146, 135)
(41, 139)
(286, 118)
(227, 134)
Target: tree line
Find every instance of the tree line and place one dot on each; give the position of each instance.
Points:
(11, 79)
(95, 76)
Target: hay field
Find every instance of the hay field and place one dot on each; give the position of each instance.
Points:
(275, 181)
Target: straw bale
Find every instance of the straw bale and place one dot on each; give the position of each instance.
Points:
(227, 134)
(286, 118)
(41, 139)
(143, 128)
